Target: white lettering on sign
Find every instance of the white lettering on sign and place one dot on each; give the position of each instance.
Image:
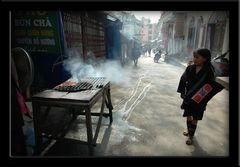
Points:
(36, 41)
(32, 13)
(47, 41)
(24, 41)
(42, 23)
(34, 49)
(22, 22)
(36, 22)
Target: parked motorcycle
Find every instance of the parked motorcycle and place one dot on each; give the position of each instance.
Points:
(221, 65)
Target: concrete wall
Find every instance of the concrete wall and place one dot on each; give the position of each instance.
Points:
(146, 36)
(145, 33)
(201, 36)
(196, 14)
(226, 39)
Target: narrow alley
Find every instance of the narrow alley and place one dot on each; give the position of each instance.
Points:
(110, 80)
(147, 119)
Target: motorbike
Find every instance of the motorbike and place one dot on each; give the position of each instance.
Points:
(221, 65)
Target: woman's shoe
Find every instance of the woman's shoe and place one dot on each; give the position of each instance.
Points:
(189, 141)
(185, 133)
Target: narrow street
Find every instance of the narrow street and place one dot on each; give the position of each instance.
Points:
(89, 83)
(147, 119)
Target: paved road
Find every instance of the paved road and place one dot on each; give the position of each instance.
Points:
(148, 120)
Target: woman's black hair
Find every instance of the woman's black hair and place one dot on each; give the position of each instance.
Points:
(205, 53)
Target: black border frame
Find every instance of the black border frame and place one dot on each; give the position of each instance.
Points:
(232, 6)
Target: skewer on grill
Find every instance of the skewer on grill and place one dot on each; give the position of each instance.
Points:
(85, 84)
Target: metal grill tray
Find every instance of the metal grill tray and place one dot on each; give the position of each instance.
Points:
(80, 86)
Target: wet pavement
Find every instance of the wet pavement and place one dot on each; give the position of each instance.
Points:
(147, 119)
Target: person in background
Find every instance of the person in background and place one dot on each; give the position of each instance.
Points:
(157, 55)
(136, 52)
(149, 50)
(144, 50)
(193, 74)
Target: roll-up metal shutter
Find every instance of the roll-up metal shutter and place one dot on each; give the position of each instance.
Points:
(94, 34)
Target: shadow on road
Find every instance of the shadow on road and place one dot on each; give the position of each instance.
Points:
(102, 147)
(197, 149)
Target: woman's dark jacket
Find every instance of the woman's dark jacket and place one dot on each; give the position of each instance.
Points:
(190, 78)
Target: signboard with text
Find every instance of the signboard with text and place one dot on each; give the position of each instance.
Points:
(36, 31)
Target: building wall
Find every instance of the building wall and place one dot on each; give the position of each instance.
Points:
(226, 39)
(183, 39)
(145, 30)
(201, 32)
(149, 32)
(152, 28)
(217, 40)
(131, 26)
(178, 33)
(145, 34)
(186, 31)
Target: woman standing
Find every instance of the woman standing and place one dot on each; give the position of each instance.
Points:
(194, 77)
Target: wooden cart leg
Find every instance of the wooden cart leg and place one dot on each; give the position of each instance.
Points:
(109, 104)
(37, 130)
(89, 131)
(100, 119)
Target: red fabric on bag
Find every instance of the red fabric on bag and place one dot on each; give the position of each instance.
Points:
(23, 107)
(198, 97)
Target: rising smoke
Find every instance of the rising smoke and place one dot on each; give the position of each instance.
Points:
(111, 69)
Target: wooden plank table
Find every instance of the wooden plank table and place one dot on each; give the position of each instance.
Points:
(83, 100)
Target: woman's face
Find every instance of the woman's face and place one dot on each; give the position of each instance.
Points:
(198, 59)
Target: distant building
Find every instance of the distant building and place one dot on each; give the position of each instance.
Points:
(131, 25)
(130, 33)
(149, 31)
(184, 31)
(152, 31)
(173, 31)
(145, 30)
